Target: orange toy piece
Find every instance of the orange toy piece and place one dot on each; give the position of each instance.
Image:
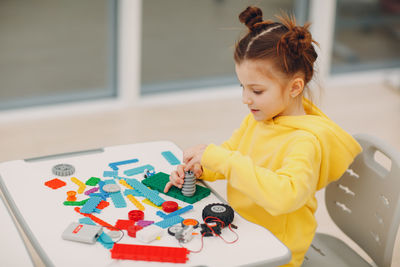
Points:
(71, 196)
(103, 204)
(55, 183)
(96, 219)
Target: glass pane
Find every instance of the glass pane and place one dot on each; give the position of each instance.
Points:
(56, 51)
(367, 35)
(189, 43)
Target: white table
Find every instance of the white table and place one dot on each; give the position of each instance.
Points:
(43, 217)
(13, 251)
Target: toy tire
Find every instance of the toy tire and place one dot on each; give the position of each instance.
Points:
(219, 210)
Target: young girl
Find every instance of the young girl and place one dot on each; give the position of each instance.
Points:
(286, 148)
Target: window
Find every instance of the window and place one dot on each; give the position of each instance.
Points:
(56, 51)
(367, 35)
(189, 43)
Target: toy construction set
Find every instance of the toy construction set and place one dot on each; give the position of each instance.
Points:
(126, 211)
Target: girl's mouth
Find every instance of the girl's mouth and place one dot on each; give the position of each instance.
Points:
(254, 110)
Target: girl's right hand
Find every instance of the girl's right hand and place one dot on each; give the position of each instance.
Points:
(177, 177)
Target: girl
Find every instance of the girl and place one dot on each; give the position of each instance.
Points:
(286, 148)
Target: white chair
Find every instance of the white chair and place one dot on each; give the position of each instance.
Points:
(365, 204)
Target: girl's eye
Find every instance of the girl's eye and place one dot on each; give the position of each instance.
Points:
(257, 92)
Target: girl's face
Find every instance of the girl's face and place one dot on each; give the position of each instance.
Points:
(264, 89)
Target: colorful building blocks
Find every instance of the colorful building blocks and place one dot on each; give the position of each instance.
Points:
(81, 185)
(71, 196)
(160, 179)
(132, 229)
(63, 169)
(123, 224)
(110, 173)
(93, 181)
(92, 190)
(75, 203)
(149, 194)
(167, 222)
(136, 215)
(149, 253)
(170, 157)
(55, 183)
(96, 219)
(138, 170)
(169, 206)
(135, 202)
(90, 205)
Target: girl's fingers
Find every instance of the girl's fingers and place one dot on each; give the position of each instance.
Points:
(197, 170)
(167, 187)
(181, 171)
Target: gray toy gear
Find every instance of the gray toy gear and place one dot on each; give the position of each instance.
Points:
(63, 169)
(189, 184)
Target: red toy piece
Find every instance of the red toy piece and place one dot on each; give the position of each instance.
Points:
(103, 204)
(169, 206)
(132, 229)
(149, 253)
(96, 219)
(55, 183)
(124, 224)
(136, 215)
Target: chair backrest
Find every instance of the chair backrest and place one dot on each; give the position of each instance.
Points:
(365, 202)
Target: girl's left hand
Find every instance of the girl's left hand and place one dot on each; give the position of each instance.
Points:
(192, 156)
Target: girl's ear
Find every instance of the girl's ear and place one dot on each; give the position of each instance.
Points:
(296, 87)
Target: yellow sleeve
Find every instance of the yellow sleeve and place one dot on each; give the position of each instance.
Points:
(278, 192)
(231, 144)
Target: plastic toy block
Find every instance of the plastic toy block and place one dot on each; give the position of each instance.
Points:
(160, 179)
(95, 219)
(114, 165)
(138, 170)
(132, 229)
(169, 206)
(103, 204)
(118, 199)
(71, 196)
(170, 157)
(179, 212)
(103, 196)
(133, 192)
(149, 194)
(81, 185)
(101, 184)
(169, 221)
(93, 181)
(148, 202)
(75, 203)
(87, 220)
(123, 182)
(90, 205)
(92, 190)
(106, 241)
(55, 183)
(123, 224)
(144, 223)
(110, 173)
(109, 181)
(136, 202)
(161, 214)
(149, 253)
(135, 215)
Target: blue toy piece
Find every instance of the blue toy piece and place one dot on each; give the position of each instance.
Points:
(110, 173)
(114, 165)
(149, 194)
(138, 170)
(87, 220)
(170, 158)
(114, 192)
(179, 212)
(169, 222)
(106, 241)
(133, 192)
(91, 205)
(161, 214)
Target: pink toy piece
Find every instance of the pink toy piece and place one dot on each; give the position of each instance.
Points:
(93, 190)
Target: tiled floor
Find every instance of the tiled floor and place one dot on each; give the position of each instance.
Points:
(372, 109)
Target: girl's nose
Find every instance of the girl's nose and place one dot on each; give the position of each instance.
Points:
(246, 99)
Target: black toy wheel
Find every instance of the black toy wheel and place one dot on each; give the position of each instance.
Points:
(218, 210)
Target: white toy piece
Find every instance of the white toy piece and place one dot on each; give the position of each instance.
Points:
(149, 233)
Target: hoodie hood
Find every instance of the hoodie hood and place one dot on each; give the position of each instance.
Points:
(338, 148)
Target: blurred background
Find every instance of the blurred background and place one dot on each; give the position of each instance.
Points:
(83, 74)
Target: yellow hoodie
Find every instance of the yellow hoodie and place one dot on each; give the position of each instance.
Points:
(275, 167)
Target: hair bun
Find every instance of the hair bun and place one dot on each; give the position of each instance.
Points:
(250, 17)
(296, 41)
